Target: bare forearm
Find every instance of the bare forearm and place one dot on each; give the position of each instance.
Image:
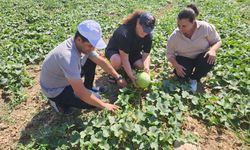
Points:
(84, 94)
(173, 61)
(216, 46)
(90, 98)
(146, 61)
(127, 68)
(106, 66)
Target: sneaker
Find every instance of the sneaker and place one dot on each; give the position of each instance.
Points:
(59, 109)
(53, 104)
(100, 89)
(193, 84)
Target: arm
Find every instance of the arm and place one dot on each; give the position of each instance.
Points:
(86, 96)
(126, 65)
(179, 68)
(212, 52)
(106, 66)
(146, 52)
(216, 46)
(173, 61)
(146, 61)
(171, 58)
(215, 43)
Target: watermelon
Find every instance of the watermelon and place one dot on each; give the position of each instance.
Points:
(143, 80)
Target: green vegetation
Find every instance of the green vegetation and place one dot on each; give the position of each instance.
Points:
(148, 119)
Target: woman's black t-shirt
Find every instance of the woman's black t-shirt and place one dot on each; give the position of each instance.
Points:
(126, 39)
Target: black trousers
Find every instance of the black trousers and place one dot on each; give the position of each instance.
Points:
(195, 68)
(68, 98)
(88, 71)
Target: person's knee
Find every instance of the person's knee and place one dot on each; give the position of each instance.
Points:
(202, 64)
(139, 64)
(184, 78)
(116, 61)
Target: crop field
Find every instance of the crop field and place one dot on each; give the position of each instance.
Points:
(164, 116)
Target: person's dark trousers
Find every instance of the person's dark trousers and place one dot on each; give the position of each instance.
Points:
(88, 71)
(195, 68)
(68, 99)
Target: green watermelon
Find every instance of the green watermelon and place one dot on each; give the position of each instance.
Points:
(143, 80)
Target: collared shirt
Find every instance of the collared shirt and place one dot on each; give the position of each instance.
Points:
(203, 37)
(62, 63)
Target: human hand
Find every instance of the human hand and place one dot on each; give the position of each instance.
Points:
(180, 70)
(121, 83)
(111, 107)
(211, 56)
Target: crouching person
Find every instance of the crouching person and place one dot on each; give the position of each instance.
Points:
(60, 77)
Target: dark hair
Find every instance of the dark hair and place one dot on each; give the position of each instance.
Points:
(190, 13)
(77, 34)
(132, 18)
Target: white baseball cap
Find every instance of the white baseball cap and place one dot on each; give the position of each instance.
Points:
(91, 30)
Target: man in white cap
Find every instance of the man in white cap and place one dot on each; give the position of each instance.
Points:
(60, 77)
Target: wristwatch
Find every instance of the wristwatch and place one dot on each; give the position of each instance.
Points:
(119, 77)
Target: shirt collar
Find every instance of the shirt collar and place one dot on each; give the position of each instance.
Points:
(74, 47)
(198, 24)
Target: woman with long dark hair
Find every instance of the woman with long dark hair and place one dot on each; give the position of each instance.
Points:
(131, 43)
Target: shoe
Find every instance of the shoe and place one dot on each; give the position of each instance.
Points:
(193, 84)
(64, 110)
(56, 107)
(100, 89)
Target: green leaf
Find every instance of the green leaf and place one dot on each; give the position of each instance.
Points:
(151, 110)
(154, 145)
(184, 94)
(104, 145)
(195, 100)
(153, 131)
(116, 128)
(140, 115)
(111, 119)
(106, 132)
(139, 129)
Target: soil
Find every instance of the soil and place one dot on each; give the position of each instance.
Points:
(30, 115)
